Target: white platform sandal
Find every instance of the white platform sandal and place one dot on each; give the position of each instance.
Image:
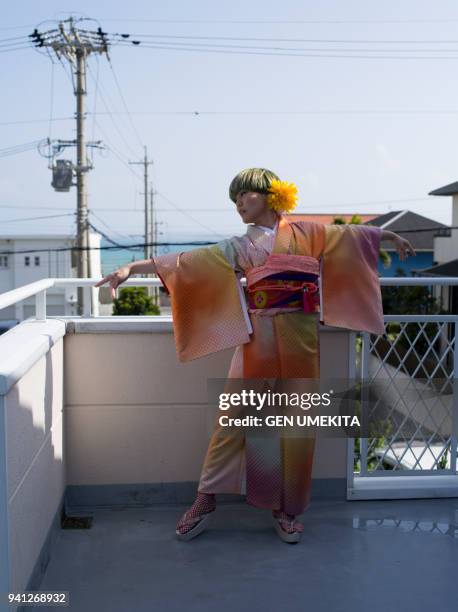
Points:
(284, 525)
(200, 524)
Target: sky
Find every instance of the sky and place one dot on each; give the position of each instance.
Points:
(356, 133)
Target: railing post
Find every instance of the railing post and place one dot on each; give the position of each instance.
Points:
(4, 529)
(453, 437)
(350, 440)
(87, 292)
(40, 305)
(365, 356)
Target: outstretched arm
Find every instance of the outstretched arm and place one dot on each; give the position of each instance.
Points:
(403, 246)
(145, 266)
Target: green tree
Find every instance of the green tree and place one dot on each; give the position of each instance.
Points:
(134, 301)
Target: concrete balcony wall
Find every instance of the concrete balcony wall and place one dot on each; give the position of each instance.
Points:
(101, 411)
(135, 415)
(31, 398)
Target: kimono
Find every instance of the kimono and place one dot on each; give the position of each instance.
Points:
(274, 332)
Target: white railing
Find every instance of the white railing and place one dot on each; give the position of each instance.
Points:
(401, 460)
(39, 288)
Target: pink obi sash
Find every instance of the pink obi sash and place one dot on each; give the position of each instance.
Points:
(285, 281)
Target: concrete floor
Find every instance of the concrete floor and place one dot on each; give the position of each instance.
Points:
(354, 556)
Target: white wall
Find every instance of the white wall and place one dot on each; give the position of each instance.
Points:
(31, 443)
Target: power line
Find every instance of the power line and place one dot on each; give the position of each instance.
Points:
(322, 55)
(110, 114)
(125, 236)
(251, 112)
(186, 214)
(16, 48)
(222, 210)
(124, 102)
(21, 148)
(126, 37)
(283, 21)
(35, 218)
(25, 121)
(23, 38)
(141, 245)
(23, 27)
(118, 155)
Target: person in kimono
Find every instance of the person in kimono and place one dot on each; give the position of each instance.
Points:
(298, 274)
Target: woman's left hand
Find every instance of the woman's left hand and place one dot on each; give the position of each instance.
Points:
(403, 247)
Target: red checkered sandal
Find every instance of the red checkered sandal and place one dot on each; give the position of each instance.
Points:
(196, 519)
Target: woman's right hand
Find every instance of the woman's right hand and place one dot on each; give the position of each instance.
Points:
(115, 278)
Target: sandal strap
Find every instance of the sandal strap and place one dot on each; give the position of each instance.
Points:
(290, 526)
(187, 520)
(288, 523)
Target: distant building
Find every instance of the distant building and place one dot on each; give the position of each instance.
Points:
(41, 260)
(446, 252)
(446, 245)
(421, 235)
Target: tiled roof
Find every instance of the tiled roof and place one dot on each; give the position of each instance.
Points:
(450, 268)
(420, 238)
(446, 190)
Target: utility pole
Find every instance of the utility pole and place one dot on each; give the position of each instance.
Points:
(81, 169)
(153, 230)
(145, 163)
(75, 45)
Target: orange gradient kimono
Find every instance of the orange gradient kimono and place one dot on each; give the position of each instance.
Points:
(210, 313)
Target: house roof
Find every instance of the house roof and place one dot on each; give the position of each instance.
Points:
(450, 268)
(328, 218)
(446, 190)
(418, 236)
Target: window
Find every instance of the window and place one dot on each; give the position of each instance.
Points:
(37, 260)
(3, 261)
(27, 260)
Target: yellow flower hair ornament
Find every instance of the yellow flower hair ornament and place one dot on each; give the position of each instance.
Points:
(282, 196)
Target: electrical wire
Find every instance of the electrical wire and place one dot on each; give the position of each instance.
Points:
(125, 236)
(23, 38)
(322, 55)
(186, 214)
(283, 21)
(318, 207)
(35, 218)
(16, 27)
(26, 121)
(118, 154)
(51, 102)
(271, 48)
(349, 41)
(16, 49)
(177, 243)
(251, 112)
(110, 63)
(107, 248)
(16, 149)
(110, 114)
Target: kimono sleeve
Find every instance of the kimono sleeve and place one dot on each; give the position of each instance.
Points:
(206, 307)
(350, 285)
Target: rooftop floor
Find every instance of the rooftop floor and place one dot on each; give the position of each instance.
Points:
(355, 556)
